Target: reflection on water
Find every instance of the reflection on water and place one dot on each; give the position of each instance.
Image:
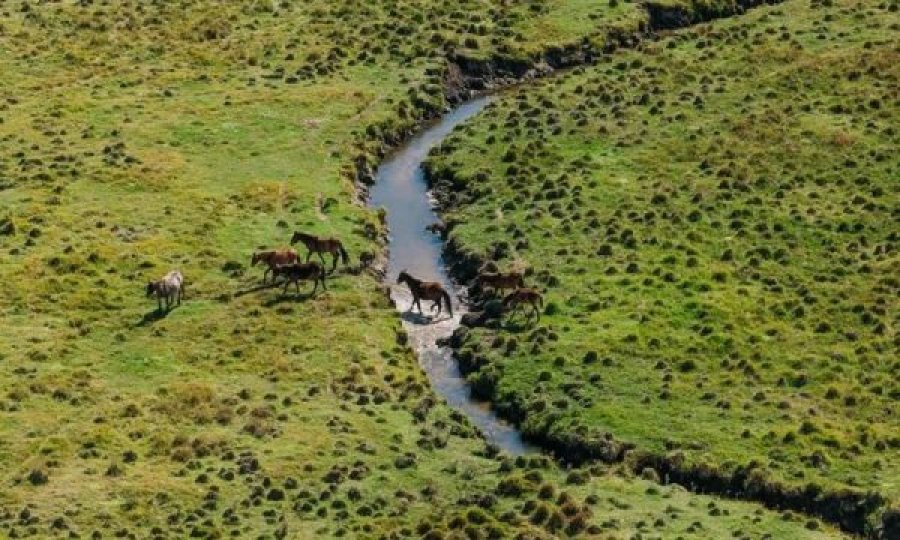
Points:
(400, 188)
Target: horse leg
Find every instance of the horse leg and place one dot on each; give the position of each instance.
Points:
(266, 274)
(159, 303)
(287, 283)
(334, 262)
(297, 286)
(308, 255)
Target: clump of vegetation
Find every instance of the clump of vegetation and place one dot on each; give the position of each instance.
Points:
(711, 218)
(137, 137)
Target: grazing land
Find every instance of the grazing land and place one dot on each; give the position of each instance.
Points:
(138, 137)
(713, 220)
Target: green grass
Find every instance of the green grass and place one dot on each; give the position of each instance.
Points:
(713, 220)
(135, 138)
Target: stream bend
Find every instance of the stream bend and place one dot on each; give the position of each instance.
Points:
(400, 188)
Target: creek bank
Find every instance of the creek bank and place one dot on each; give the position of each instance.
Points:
(464, 76)
(854, 511)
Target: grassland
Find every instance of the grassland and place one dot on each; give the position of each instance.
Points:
(713, 219)
(136, 137)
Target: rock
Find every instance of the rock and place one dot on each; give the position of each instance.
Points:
(472, 319)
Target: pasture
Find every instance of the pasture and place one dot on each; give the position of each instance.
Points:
(713, 220)
(141, 137)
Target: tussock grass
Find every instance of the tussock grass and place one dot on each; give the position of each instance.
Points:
(713, 220)
(136, 137)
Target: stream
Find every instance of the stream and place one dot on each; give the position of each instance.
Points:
(400, 188)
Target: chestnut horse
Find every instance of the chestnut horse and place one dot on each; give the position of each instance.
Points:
(428, 290)
(297, 272)
(519, 297)
(273, 258)
(170, 287)
(500, 281)
(319, 246)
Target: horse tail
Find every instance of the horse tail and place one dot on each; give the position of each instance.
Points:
(344, 257)
(447, 299)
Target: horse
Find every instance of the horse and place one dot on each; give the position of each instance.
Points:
(500, 281)
(273, 258)
(169, 287)
(516, 299)
(428, 290)
(322, 245)
(296, 272)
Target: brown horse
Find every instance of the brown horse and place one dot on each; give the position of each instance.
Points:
(297, 272)
(273, 258)
(428, 290)
(516, 299)
(500, 281)
(319, 246)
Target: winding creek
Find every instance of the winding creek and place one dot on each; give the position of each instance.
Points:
(400, 188)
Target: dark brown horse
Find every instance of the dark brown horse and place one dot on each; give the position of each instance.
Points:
(500, 281)
(273, 258)
(514, 301)
(319, 246)
(297, 272)
(427, 290)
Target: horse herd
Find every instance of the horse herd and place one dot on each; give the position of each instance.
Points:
(279, 262)
(285, 263)
(498, 281)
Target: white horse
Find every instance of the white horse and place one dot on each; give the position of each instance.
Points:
(170, 287)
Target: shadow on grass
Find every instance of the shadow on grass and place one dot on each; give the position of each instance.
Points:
(256, 288)
(520, 325)
(289, 297)
(152, 316)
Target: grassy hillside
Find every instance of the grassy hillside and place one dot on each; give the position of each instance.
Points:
(713, 219)
(137, 137)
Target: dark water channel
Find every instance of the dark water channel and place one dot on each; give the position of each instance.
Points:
(400, 189)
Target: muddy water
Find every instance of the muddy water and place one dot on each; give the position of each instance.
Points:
(400, 188)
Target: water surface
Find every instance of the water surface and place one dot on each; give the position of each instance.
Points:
(400, 188)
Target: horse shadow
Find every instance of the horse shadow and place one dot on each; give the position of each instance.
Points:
(152, 316)
(288, 297)
(519, 326)
(420, 319)
(256, 288)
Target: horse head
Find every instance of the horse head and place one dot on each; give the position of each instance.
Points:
(403, 276)
(151, 288)
(254, 259)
